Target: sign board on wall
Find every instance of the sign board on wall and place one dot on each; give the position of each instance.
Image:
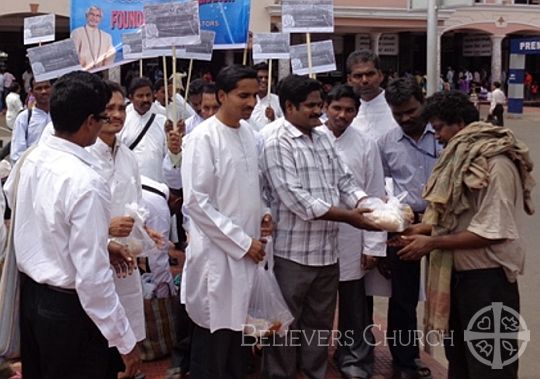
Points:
(477, 46)
(363, 41)
(389, 44)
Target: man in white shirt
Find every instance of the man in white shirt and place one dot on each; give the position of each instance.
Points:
(365, 76)
(358, 249)
(267, 108)
(70, 312)
(94, 46)
(496, 108)
(30, 123)
(144, 133)
(159, 105)
(227, 223)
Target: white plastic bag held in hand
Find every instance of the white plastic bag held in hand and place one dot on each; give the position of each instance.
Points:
(138, 240)
(392, 216)
(268, 313)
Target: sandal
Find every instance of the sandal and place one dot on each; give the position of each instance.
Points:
(419, 373)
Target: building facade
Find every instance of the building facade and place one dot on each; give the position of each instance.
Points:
(474, 38)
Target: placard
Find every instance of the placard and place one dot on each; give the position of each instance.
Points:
(322, 57)
(172, 24)
(202, 51)
(271, 46)
(132, 45)
(53, 60)
(39, 29)
(313, 16)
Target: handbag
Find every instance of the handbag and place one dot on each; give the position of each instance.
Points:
(10, 334)
(160, 323)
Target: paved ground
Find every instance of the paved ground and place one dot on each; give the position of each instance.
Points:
(527, 128)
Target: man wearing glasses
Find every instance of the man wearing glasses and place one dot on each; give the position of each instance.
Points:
(94, 46)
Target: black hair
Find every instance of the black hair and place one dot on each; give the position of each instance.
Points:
(497, 84)
(33, 81)
(159, 84)
(450, 107)
(228, 77)
(209, 88)
(296, 89)
(263, 66)
(400, 90)
(340, 91)
(15, 87)
(137, 83)
(76, 96)
(362, 56)
(115, 87)
(196, 86)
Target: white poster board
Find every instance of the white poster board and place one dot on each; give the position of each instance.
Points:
(389, 44)
(322, 55)
(53, 60)
(307, 16)
(271, 46)
(172, 24)
(132, 45)
(477, 46)
(39, 29)
(201, 51)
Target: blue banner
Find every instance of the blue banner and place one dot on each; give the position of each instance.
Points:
(97, 26)
(527, 46)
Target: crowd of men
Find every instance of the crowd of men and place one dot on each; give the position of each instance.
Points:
(291, 169)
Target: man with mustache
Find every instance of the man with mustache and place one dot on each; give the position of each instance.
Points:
(306, 181)
(157, 152)
(408, 154)
(228, 224)
(365, 76)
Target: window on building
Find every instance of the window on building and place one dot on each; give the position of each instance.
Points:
(527, 2)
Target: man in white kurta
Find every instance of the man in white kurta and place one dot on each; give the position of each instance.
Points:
(357, 249)
(156, 161)
(267, 108)
(94, 46)
(223, 198)
(365, 76)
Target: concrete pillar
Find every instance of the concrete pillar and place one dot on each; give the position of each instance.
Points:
(229, 57)
(496, 57)
(439, 48)
(375, 42)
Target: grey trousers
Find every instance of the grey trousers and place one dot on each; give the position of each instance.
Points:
(310, 293)
(355, 354)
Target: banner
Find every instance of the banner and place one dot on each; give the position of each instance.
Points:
(313, 16)
(172, 24)
(97, 26)
(271, 46)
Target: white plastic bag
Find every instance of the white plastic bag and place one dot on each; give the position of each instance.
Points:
(138, 241)
(268, 312)
(392, 216)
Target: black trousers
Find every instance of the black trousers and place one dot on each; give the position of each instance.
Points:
(58, 339)
(472, 291)
(354, 355)
(181, 353)
(218, 355)
(402, 324)
(498, 114)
